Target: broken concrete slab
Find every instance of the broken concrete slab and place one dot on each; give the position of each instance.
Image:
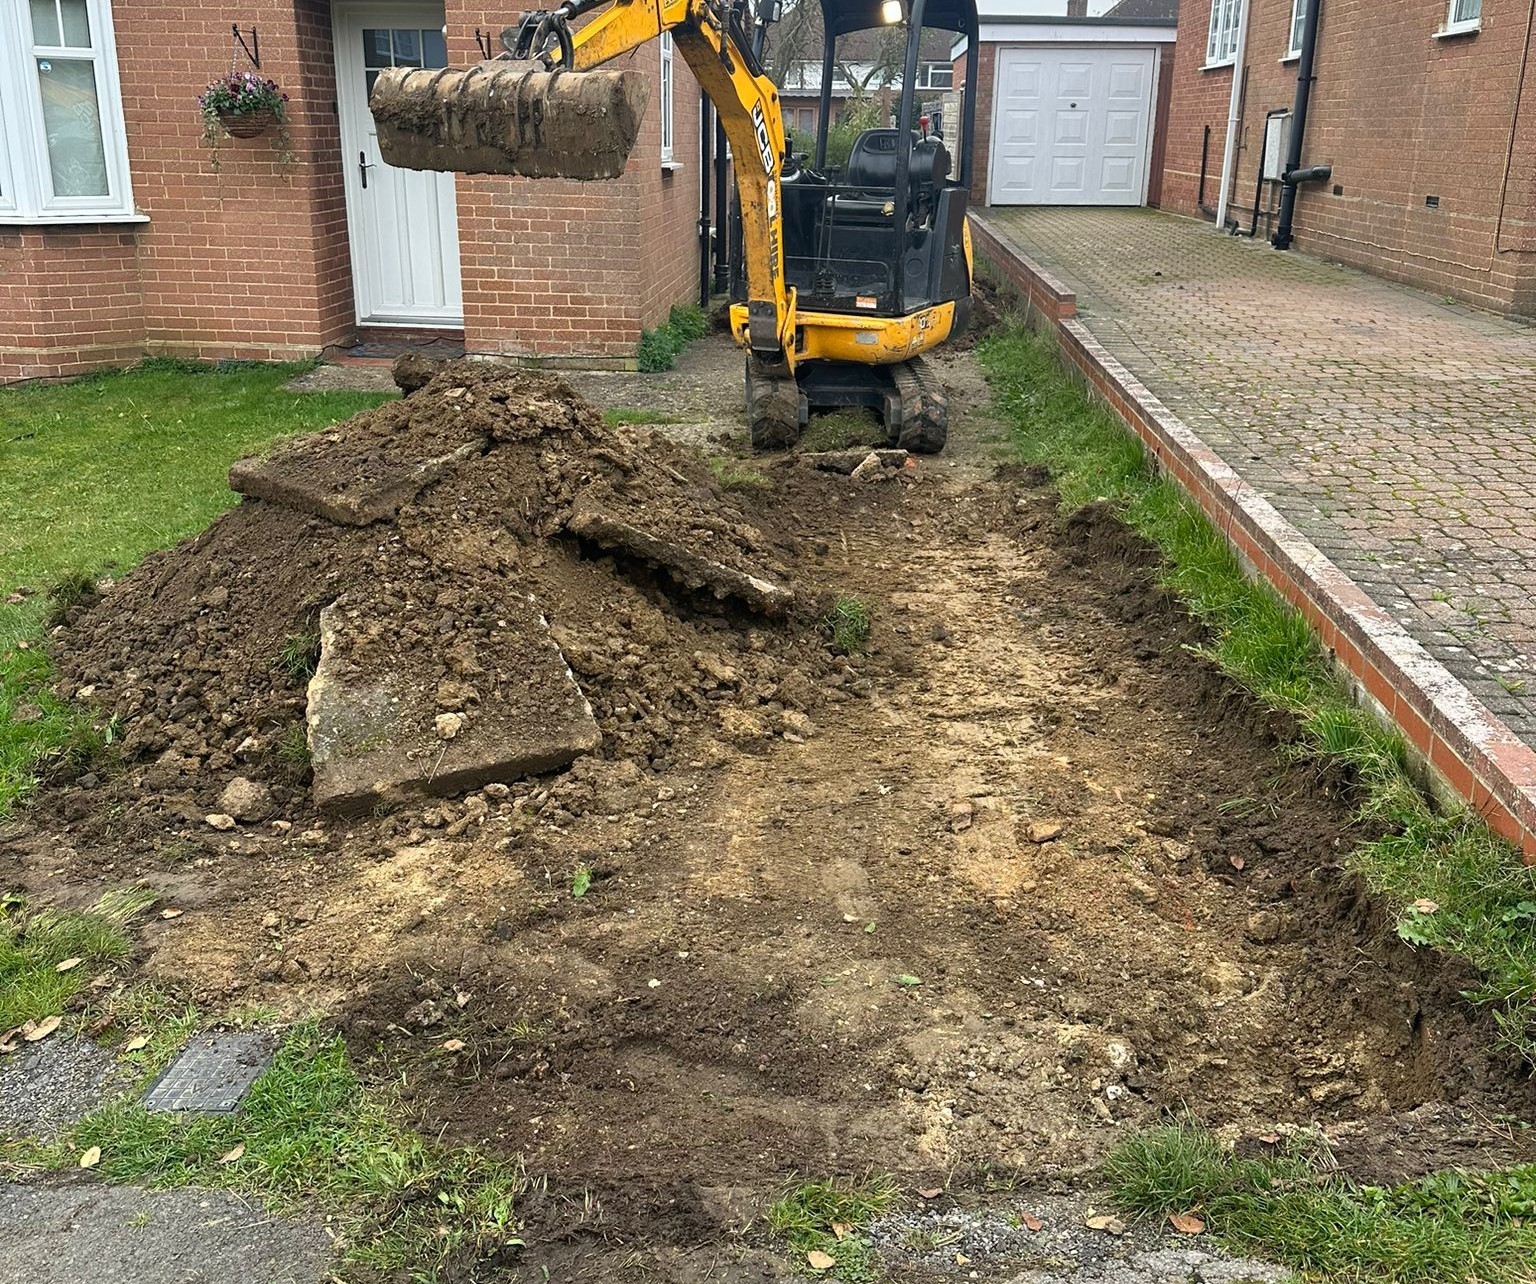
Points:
(378, 728)
(589, 520)
(77, 1229)
(297, 479)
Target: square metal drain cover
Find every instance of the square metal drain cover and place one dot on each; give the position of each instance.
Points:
(212, 1073)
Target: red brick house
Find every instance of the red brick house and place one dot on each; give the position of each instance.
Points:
(1424, 110)
(118, 238)
(1071, 101)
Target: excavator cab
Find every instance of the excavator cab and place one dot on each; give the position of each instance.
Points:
(845, 273)
(876, 247)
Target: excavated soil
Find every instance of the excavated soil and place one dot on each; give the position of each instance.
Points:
(1028, 874)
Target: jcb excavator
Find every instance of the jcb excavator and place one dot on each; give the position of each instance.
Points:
(851, 273)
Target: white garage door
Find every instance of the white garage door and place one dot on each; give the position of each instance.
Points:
(1071, 126)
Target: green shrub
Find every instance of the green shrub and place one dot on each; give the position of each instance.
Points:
(658, 348)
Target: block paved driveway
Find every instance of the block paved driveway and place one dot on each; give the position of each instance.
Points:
(1397, 431)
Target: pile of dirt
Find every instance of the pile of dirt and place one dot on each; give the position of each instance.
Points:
(443, 559)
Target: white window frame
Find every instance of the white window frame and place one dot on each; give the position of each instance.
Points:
(926, 73)
(1221, 35)
(1298, 20)
(667, 97)
(1455, 26)
(26, 173)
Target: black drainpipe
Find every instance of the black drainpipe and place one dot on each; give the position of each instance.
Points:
(704, 236)
(723, 222)
(1294, 174)
(1205, 158)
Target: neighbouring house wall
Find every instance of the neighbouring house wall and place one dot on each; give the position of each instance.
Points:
(71, 300)
(981, 147)
(1400, 116)
(671, 230)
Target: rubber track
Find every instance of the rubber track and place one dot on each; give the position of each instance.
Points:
(925, 408)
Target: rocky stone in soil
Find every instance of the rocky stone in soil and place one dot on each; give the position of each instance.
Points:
(246, 800)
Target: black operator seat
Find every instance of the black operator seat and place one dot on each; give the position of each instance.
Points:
(871, 174)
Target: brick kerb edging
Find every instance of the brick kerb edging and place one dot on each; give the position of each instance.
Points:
(1464, 743)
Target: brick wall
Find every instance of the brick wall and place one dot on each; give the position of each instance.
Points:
(241, 262)
(71, 300)
(981, 147)
(570, 272)
(253, 260)
(1400, 116)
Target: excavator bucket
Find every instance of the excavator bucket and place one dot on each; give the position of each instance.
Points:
(508, 117)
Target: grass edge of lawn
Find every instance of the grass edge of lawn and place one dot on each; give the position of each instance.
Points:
(1293, 1204)
(1484, 898)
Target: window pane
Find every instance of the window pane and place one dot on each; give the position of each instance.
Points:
(376, 48)
(407, 48)
(45, 22)
(434, 49)
(72, 125)
(1466, 10)
(77, 27)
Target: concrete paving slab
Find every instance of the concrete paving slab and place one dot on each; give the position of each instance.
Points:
(590, 521)
(293, 479)
(82, 1232)
(394, 713)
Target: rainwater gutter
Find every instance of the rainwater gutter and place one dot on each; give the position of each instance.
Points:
(1294, 174)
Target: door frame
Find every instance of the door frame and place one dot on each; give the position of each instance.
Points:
(1155, 48)
(344, 13)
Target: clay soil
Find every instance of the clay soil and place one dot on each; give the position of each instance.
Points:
(1029, 874)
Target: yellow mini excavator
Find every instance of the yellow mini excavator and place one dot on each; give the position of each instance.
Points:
(852, 272)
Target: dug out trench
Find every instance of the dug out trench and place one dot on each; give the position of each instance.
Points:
(964, 906)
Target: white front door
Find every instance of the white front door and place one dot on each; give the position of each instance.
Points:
(403, 223)
(1071, 126)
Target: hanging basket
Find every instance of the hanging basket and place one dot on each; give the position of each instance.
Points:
(247, 124)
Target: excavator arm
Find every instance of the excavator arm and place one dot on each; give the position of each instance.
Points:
(546, 109)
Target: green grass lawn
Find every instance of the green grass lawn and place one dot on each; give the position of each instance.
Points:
(101, 471)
